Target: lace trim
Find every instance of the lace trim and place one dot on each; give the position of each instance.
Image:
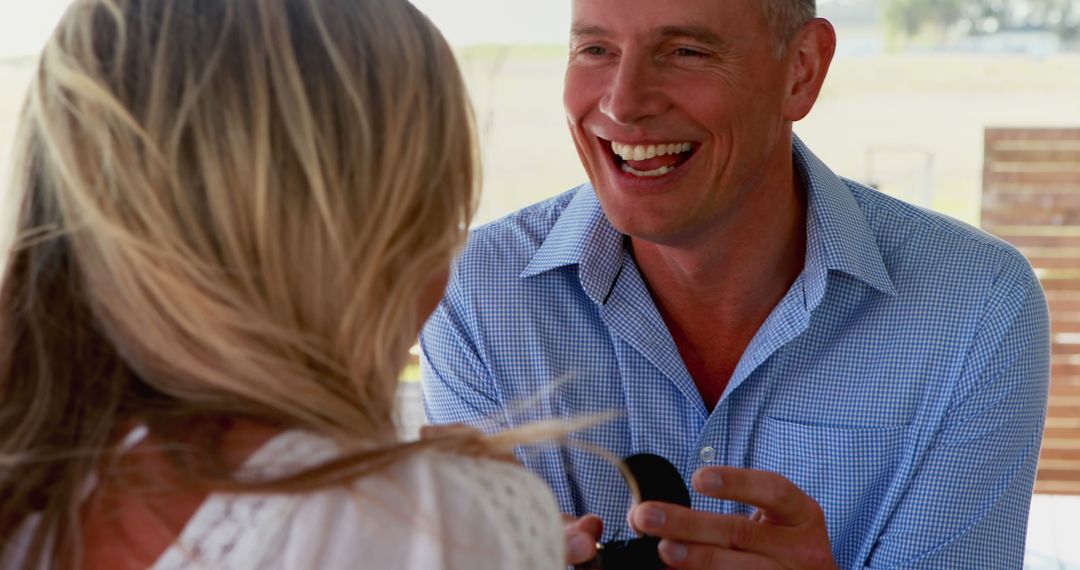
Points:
(520, 507)
(250, 531)
(244, 527)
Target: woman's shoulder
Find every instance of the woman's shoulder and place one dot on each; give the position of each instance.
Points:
(426, 473)
(463, 476)
(440, 510)
(430, 510)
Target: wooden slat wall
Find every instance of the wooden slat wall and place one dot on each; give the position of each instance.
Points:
(1031, 197)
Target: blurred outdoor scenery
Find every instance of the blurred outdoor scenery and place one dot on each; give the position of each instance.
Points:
(913, 87)
(905, 113)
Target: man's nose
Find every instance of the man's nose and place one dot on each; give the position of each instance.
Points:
(635, 93)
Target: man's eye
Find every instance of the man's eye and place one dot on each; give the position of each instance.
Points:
(688, 52)
(592, 50)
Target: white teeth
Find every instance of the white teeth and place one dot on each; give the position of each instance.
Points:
(647, 174)
(642, 152)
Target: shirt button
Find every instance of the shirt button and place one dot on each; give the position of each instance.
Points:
(707, 454)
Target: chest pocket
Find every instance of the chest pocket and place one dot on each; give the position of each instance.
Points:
(845, 469)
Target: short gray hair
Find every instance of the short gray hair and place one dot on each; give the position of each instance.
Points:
(786, 18)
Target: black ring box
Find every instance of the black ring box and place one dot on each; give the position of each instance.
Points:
(655, 479)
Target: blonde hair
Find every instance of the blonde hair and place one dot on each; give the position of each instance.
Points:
(230, 208)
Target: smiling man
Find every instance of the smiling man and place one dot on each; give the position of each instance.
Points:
(846, 380)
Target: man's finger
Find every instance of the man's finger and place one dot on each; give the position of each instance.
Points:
(582, 535)
(701, 557)
(684, 525)
(780, 501)
(588, 524)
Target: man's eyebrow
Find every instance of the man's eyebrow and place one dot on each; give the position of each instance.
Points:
(578, 30)
(699, 33)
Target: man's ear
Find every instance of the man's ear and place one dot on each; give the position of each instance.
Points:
(809, 55)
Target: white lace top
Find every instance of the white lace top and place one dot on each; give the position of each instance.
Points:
(432, 511)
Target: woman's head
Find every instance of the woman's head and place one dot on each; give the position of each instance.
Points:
(253, 193)
(229, 207)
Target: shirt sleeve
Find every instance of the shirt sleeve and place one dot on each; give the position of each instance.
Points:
(966, 503)
(440, 512)
(458, 386)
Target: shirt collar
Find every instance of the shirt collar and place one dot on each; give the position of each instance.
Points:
(838, 237)
(582, 236)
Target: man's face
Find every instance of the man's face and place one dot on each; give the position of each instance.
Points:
(676, 109)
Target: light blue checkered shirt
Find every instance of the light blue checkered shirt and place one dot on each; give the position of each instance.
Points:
(901, 381)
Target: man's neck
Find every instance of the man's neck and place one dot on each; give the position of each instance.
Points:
(715, 294)
(744, 265)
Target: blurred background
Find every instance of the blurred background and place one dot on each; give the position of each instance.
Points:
(967, 107)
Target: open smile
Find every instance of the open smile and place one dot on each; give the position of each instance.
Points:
(653, 160)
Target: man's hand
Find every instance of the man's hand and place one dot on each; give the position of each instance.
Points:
(582, 534)
(787, 531)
